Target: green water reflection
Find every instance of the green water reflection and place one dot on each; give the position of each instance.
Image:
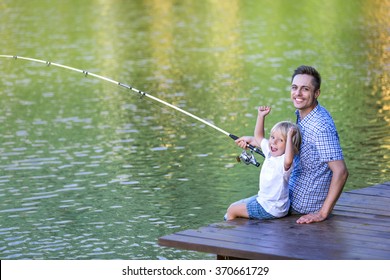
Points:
(89, 170)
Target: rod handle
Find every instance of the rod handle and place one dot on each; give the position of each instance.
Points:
(250, 147)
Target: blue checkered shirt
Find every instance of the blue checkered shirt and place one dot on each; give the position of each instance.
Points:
(310, 179)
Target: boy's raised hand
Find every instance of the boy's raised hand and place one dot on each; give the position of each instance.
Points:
(264, 110)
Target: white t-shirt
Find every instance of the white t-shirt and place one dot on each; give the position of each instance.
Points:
(273, 192)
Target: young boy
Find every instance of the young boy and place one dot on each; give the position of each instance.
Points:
(272, 200)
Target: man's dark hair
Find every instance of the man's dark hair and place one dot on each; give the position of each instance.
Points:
(309, 70)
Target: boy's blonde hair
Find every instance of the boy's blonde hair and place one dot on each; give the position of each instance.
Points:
(283, 128)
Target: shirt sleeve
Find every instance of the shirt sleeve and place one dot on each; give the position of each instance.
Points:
(264, 147)
(328, 145)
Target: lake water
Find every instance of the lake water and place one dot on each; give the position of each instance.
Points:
(89, 170)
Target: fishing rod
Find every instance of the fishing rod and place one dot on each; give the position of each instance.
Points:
(244, 157)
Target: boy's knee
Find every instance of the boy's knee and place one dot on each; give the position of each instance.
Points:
(232, 212)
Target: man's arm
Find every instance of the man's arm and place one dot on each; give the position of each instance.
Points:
(339, 177)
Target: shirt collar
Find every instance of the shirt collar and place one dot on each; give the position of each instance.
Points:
(309, 116)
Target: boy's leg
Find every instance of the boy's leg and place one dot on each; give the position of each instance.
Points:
(237, 210)
(242, 201)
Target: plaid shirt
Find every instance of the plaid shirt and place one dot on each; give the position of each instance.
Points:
(310, 179)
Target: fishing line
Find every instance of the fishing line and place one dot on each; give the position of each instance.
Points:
(181, 118)
(142, 94)
(191, 126)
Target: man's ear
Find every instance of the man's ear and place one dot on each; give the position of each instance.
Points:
(317, 93)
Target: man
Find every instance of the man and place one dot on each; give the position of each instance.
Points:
(319, 173)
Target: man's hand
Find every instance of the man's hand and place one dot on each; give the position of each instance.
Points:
(311, 218)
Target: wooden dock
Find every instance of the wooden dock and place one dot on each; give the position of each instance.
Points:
(359, 228)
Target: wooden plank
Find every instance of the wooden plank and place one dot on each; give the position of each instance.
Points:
(221, 248)
(359, 228)
(363, 198)
(328, 244)
(276, 229)
(222, 244)
(357, 231)
(355, 214)
(364, 221)
(289, 222)
(383, 186)
(362, 210)
(370, 221)
(327, 229)
(372, 202)
(309, 239)
(382, 190)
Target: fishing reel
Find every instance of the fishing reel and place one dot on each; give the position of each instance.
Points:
(248, 158)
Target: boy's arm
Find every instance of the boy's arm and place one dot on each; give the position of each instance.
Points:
(259, 128)
(289, 152)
